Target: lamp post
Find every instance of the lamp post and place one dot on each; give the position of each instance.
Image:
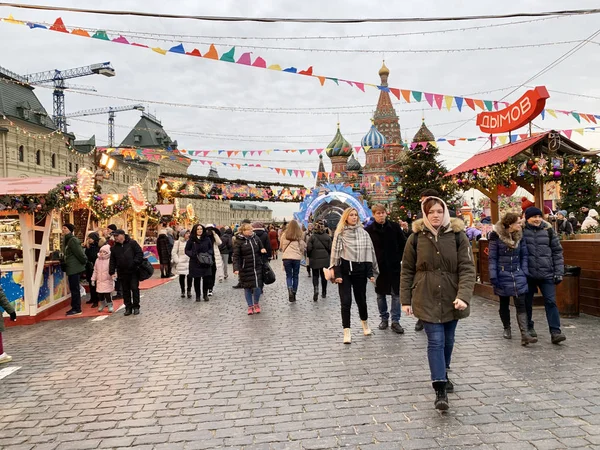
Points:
(103, 166)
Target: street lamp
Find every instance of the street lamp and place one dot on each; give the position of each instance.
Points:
(103, 166)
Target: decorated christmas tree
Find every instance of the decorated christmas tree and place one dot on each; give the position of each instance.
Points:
(582, 187)
(421, 171)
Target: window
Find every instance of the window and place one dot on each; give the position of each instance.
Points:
(53, 160)
(76, 167)
(70, 166)
(21, 154)
(38, 158)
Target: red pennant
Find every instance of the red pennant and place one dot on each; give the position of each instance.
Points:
(259, 62)
(470, 103)
(523, 136)
(194, 52)
(59, 26)
(396, 92)
(439, 98)
(452, 142)
(361, 86)
(307, 71)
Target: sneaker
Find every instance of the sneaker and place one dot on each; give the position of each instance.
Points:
(210, 293)
(383, 325)
(127, 312)
(4, 358)
(397, 328)
(419, 325)
(557, 338)
(111, 307)
(257, 309)
(532, 332)
(101, 307)
(136, 311)
(73, 313)
(449, 386)
(250, 310)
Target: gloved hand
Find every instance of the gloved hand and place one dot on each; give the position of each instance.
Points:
(558, 280)
(13, 316)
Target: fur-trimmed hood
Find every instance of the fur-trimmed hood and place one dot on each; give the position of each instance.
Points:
(510, 239)
(456, 226)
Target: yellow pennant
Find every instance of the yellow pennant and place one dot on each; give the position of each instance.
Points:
(448, 99)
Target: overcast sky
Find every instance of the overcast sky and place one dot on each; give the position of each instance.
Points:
(145, 75)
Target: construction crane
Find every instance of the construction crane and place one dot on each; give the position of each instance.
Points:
(58, 77)
(111, 110)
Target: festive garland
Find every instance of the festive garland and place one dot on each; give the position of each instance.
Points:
(103, 212)
(235, 198)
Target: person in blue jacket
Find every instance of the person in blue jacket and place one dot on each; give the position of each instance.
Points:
(508, 267)
(546, 269)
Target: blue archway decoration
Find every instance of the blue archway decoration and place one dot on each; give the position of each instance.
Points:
(328, 193)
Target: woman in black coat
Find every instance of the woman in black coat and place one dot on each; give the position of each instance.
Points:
(248, 260)
(200, 244)
(164, 253)
(319, 254)
(91, 252)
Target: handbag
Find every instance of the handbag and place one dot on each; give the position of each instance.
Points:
(145, 270)
(205, 259)
(268, 276)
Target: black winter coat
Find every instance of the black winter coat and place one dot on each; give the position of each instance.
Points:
(319, 250)
(162, 247)
(248, 260)
(545, 252)
(193, 249)
(91, 252)
(125, 258)
(226, 246)
(508, 262)
(388, 241)
(265, 241)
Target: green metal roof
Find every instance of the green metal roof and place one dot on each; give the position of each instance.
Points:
(20, 102)
(85, 146)
(150, 134)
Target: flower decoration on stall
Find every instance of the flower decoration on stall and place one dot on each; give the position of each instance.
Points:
(137, 198)
(85, 184)
(152, 212)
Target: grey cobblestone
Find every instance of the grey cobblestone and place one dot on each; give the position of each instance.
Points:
(214, 377)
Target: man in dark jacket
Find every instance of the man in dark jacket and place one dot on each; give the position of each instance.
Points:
(226, 248)
(388, 241)
(125, 259)
(75, 261)
(546, 269)
(263, 235)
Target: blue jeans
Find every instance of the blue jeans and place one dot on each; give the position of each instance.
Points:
(395, 308)
(250, 293)
(440, 343)
(292, 269)
(548, 290)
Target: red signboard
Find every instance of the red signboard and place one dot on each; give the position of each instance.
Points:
(520, 113)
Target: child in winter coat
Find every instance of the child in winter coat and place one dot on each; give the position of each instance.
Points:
(102, 280)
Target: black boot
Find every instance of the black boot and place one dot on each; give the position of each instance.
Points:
(182, 294)
(189, 293)
(441, 397)
(526, 337)
(292, 295)
(316, 294)
(507, 334)
(324, 290)
(505, 319)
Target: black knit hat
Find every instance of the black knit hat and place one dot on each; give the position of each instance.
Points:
(70, 226)
(112, 227)
(533, 211)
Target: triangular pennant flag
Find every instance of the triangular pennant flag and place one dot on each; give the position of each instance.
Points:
(308, 71)
(101, 34)
(429, 98)
(503, 139)
(321, 80)
(229, 56)
(585, 117)
(259, 62)
(361, 86)
(470, 103)
(212, 53)
(80, 32)
(579, 130)
(592, 118)
(11, 19)
(59, 26)
(121, 40)
(335, 80)
(178, 49)
(274, 67)
(513, 138)
(29, 24)
(417, 95)
(479, 104)
(496, 106)
(405, 95)
(159, 50)
(576, 115)
(438, 100)
(523, 136)
(543, 114)
(229, 153)
(290, 171)
(396, 92)
(195, 52)
(551, 112)
(452, 142)
(291, 70)
(568, 133)
(489, 105)
(459, 103)
(493, 140)
(449, 100)
(139, 45)
(314, 174)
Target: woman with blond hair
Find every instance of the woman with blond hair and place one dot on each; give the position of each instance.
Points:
(292, 248)
(354, 262)
(248, 265)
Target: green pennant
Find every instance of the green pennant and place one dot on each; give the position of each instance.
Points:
(577, 117)
(417, 95)
(228, 56)
(489, 105)
(101, 34)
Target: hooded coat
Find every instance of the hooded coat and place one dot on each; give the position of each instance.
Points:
(178, 256)
(248, 261)
(101, 276)
(508, 262)
(435, 272)
(226, 246)
(262, 234)
(389, 241)
(545, 252)
(319, 250)
(193, 248)
(75, 258)
(591, 221)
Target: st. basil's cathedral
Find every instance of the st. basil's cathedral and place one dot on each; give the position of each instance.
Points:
(384, 150)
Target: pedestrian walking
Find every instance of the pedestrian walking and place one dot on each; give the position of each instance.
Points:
(181, 263)
(10, 310)
(125, 259)
(292, 252)
(354, 262)
(74, 262)
(546, 269)
(388, 241)
(307, 234)
(216, 272)
(92, 248)
(319, 253)
(508, 268)
(102, 280)
(163, 247)
(274, 241)
(248, 265)
(226, 248)
(199, 248)
(437, 281)
(236, 234)
(261, 233)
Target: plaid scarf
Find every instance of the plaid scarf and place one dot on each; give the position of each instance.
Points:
(354, 244)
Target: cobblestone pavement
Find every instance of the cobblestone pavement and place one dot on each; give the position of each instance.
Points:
(187, 375)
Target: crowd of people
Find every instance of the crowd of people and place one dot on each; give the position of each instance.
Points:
(426, 269)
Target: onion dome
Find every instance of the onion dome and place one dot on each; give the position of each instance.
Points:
(339, 146)
(373, 139)
(424, 135)
(353, 165)
(384, 70)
